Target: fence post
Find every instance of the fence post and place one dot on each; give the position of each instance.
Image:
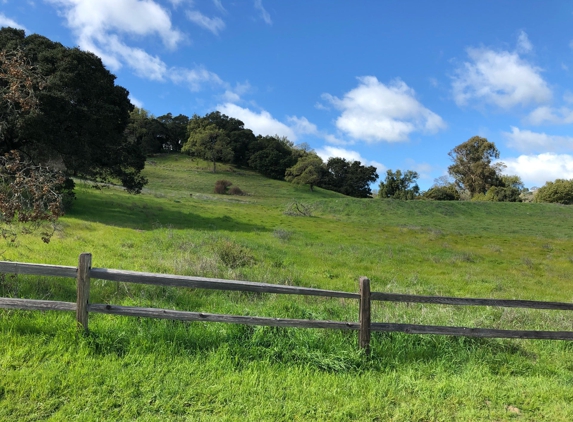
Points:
(83, 290)
(364, 310)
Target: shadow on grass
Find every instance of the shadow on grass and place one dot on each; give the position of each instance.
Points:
(144, 213)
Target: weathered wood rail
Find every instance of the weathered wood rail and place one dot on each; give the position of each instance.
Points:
(84, 272)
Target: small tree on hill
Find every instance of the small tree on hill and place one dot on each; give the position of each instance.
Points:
(210, 143)
(307, 171)
(473, 169)
(399, 186)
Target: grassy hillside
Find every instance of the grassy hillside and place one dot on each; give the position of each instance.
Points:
(155, 370)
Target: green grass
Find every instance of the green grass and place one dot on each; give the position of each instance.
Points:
(130, 368)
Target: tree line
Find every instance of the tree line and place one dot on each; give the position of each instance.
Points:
(63, 116)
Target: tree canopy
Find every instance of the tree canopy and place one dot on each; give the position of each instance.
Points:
(349, 177)
(81, 115)
(560, 191)
(472, 169)
(308, 170)
(399, 186)
(207, 141)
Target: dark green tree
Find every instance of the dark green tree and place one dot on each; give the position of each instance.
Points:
(177, 131)
(240, 138)
(509, 189)
(349, 177)
(272, 156)
(81, 115)
(147, 131)
(472, 169)
(399, 186)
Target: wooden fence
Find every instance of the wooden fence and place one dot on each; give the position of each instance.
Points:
(84, 272)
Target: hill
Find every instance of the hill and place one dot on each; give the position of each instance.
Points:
(155, 370)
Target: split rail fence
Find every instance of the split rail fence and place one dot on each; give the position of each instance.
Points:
(84, 272)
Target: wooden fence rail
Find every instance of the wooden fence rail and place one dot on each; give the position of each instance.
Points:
(83, 274)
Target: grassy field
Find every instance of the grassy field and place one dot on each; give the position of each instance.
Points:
(130, 368)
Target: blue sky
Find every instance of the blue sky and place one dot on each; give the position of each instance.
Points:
(392, 83)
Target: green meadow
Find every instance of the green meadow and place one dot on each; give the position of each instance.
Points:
(155, 370)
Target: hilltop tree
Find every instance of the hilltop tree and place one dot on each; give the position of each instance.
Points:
(308, 170)
(209, 142)
(177, 133)
(399, 186)
(560, 191)
(349, 177)
(473, 169)
(81, 114)
(272, 156)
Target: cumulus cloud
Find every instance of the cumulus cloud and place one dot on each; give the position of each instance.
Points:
(328, 151)
(377, 112)
(536, 170)
(6, 21)
(423, 169)
(100, 27)
(233, 95)
(194, 78)
(499, 78)
(264, 14)
(523, 43)
(551, 115)
(211, 24)
(262, 123)
(135, 101)
(302, 126)
(528, 141)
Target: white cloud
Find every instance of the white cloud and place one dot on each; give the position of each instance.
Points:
(499, 78)
(6, 21)
(220, 6)
(331, 139)
(101, 25)
(302, 126)
(211, 24)
(377, 112)
(523, 43)
(545, 114)
(568, 97)
(262, 123)
(264, 14)
(423, 169)
(528, 141)
(194, 78)
(93, 19)
(328, 151)
(135, 101)
(539, 169)
(233, 95)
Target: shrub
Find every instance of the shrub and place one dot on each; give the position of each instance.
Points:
(222, 186)
(235, 190)
(560, 192)
(232, 254)
(442, 193)
(282, 234)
